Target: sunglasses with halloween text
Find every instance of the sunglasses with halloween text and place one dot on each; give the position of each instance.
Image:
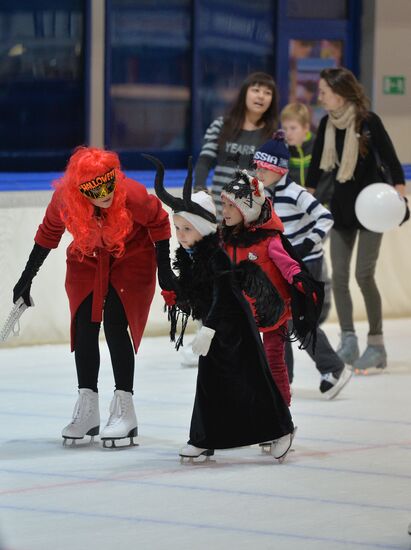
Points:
(99, 187)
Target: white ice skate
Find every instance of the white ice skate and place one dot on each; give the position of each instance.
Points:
(86, 418)
(333, 383)
(279, 448)
(122, 422)
(190, 452)
(282, 446)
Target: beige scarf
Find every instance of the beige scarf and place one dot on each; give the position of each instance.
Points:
(343, 119)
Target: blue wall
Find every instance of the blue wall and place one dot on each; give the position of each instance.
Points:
(41, 181)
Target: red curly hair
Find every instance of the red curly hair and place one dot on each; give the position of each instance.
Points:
(78, 213)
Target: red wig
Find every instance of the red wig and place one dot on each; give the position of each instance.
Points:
(78, 213)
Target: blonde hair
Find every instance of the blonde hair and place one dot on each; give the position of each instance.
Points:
(298, 112)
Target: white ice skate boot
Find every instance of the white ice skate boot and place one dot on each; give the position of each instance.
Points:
(122, 422)
(86, 418)
(191, 452)
(333, 382)
(282, 446)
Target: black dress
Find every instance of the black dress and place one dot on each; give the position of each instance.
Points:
(237, 402)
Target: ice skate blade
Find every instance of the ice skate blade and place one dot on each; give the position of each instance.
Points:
(266, 450)
(198, 459)
(370, 371)
(265, 447)
(110, 442)
(75, 441)
(92, 432)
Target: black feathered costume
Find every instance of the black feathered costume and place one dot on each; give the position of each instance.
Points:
(237, 402)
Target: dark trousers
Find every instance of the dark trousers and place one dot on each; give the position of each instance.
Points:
(342, 245)
(86, 345)
(325, 358)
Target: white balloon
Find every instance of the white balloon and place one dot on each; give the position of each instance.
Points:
(379, 207)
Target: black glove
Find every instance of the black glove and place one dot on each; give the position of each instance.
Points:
(304, 248)
(166, 277)
(307, 297)
(407, 211)
(35, 261)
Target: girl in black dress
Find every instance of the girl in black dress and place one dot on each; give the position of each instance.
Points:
(237, 402)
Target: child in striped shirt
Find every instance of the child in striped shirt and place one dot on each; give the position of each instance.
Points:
(306, 224)
(296, 122)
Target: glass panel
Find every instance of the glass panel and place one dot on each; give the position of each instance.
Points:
(307, 59)
(150, 74)
(235, 39)
(41, 74)
(317, 9)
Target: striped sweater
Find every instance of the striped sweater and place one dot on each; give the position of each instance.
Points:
(302, 215)
(217, 156)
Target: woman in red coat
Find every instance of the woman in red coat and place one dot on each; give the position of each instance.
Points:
(119, 230)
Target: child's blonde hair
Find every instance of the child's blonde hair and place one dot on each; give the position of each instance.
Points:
(298, 112)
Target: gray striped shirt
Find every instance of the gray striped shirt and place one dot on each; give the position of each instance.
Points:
(214, 155)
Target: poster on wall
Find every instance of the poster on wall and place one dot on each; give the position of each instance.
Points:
(307, 58)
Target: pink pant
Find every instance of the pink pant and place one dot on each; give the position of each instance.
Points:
(274, 348)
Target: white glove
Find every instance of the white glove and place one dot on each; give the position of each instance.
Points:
(202, 341)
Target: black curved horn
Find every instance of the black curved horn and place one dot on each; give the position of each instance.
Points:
(190, 205)
(188, 182)
(174, 203)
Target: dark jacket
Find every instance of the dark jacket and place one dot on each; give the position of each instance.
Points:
(366, 171)
(237, 402)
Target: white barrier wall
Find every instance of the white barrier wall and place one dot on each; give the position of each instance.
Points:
(48, 321)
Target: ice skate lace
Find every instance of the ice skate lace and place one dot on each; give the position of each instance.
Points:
(81, 410)
(118, 408)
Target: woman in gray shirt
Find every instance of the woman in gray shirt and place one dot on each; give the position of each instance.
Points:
(250, 122)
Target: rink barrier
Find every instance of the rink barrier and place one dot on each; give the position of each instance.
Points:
(41, 181)
(48, 322)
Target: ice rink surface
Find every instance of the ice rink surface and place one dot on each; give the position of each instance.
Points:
(347, 485)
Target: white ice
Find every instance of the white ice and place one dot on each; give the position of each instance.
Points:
(347, 485)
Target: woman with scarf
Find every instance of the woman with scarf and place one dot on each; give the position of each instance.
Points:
(346, 144)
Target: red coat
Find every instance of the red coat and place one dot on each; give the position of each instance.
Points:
(258, 253)
(133, 276)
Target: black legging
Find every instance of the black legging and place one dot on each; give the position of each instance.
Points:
(86, 345)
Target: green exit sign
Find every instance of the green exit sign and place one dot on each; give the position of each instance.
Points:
(394, 85)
